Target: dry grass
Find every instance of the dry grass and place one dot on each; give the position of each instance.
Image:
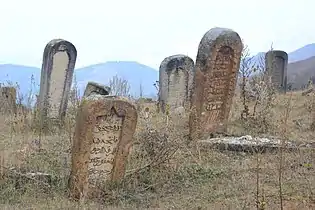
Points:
(164, 170)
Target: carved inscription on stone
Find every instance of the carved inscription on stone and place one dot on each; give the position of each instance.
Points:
(104, 131)
(106, 135)
(221, 85)
(216, 68)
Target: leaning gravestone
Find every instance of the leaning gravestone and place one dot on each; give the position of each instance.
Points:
(216, 70)
(104, 131)
(175, 81)
(276, 62)
(56, 77)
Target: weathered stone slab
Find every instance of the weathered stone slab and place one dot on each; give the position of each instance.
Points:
(276, 62)
(251, 145)
(216, 70)
(175, 81)
(8, 99)
(56, 78)
(104, 131)
(93, 88)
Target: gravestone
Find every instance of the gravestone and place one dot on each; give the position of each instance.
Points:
(56, 78)
(146, 113)
(93, 88)
(8, 100)
(175, 81)
(276, 62)
(216, 70)
(104, 131)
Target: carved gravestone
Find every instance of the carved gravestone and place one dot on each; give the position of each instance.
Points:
(56, 77)
(104, 131)
(93, 88)
(216, 70)
(175, 81)
(276, 63)
(8, 100)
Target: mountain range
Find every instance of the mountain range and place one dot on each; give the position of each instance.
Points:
(301, 67)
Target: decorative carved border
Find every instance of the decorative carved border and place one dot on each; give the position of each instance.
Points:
(53, 47)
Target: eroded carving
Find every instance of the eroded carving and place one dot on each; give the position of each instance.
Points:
(107, 132)
(216, 70)
(104, 130)
(276, 63)
(175, 81)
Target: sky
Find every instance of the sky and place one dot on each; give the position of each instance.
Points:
(147, 31)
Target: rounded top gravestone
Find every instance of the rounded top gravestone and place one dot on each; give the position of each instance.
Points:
(216, 70)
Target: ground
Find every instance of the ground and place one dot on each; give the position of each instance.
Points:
(191, 177)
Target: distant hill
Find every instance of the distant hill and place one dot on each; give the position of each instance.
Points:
(301, 67)
(300, 72)
(300, 54)
(134, 72)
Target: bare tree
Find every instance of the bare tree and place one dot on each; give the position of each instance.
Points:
(141, 90)
(244, 74)
(119, 86)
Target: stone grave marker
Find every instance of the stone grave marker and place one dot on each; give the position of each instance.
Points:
(8, 100)
(93, 88)
(276, 62)
(56, 78)
(175, 81)
(216, 70)
(146, 112)
(104, 131)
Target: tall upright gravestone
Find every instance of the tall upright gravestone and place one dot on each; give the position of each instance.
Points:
(56, 78)
(276, 62)
(216, 70)
(175, 81)
(104, 131)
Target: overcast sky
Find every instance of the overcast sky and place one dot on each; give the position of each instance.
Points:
(147, 31)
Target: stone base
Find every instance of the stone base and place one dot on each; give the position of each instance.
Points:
(252, 145)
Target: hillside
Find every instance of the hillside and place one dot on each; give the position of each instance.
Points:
(300, 54)
(301, 65)
(300, 72)
(134, 72)
(28, 77)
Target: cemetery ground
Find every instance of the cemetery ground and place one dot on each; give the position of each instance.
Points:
(165, 170)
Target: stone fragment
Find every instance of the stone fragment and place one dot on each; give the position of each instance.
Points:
(96, 88)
